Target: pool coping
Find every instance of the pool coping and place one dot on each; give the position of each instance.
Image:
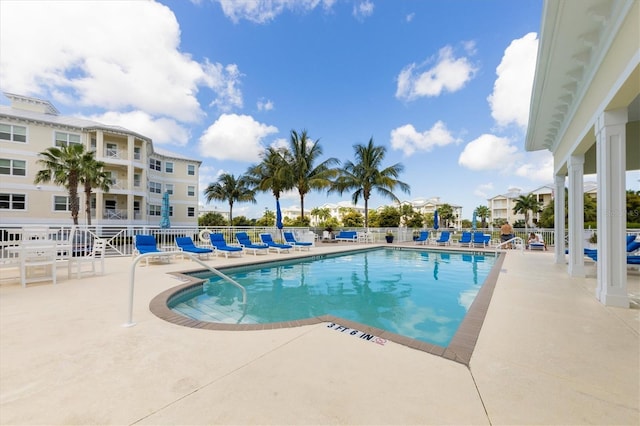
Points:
(460, 349)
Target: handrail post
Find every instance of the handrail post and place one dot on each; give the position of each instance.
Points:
(132, 274)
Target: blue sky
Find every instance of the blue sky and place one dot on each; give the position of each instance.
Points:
(443, 85)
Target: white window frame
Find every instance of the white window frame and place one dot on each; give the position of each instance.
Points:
(168, 187)
(169, 167)
(191, 212)
(67, 140)
(191, 169)
(13, 134)
(59, 200)
(191, 191)
(155, 187)
(154, 210)
(155, 164)
(12, 202)
(12, 167)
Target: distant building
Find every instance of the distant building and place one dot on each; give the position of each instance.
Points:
(501, 206)
(430, 205)
(140, 173)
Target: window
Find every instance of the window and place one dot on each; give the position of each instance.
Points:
(171, 211)
(191, 211)
(61, 203)
(154, 210)
(136, 180)
(13, 167)
(65, 139)
(13, 201)
(9, 132)
(155, 164)
(168, 167)
(191, 191)
(155, 187)
(169, 188)
(191, 170)
(112, 151)
(136, 153)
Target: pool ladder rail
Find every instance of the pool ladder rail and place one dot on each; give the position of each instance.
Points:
(193, 257)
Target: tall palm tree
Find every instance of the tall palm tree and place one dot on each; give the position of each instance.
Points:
(92, 175)
(302, 174)
(63, 166)
(231, 189)
(525, 204)
(364, 176)
(483, 213)
(271, 173)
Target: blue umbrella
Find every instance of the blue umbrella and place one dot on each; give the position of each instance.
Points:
(279, 224)
(164, 212)
(474, 221)
(435, 220)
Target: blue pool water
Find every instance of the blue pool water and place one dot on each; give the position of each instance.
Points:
(419, 294)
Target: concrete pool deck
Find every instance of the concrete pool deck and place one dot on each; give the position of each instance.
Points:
(548, 353)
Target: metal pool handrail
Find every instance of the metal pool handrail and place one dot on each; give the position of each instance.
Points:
(193, 257)
(518, 240)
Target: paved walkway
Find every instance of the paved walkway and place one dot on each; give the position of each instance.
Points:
(548, 353)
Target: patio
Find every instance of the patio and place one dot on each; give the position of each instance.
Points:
(548, 353)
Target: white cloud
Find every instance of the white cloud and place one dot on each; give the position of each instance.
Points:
(538, 167)
(265, 105)
(511, 95)
(161, 130)
(483, 190)
(98, 54)
(363, 9)
(235, 137)
(489, 152)
(409, 140)
(261, 11)
(448, 74)
(410, 17)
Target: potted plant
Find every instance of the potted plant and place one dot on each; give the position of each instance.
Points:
(416, 234)
(593, 240)
(389, 237)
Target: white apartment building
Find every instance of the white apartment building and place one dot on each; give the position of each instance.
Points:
(501, 206)
(430, 205)
(140, 173)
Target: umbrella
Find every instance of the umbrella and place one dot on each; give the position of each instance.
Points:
(278, 215)
(164, 212)
(435, 220)
(474, 221)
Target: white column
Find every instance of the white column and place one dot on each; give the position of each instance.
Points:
(576, 216)
(130, 172)
(558, 218)
(612, 217)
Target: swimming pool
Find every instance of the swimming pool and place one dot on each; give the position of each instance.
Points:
(421, 294)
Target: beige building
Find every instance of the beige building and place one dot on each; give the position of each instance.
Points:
(140, 173)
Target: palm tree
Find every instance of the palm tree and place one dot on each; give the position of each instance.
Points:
(525, 204)
(445, 213)
(271, 173)
(63, 166)
(231, 189)
(364, 176)
(92, 175)
(483, 213)
(301, 172)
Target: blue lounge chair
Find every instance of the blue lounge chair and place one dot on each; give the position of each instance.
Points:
(444, 238)
(187, 245)
(423, 238)
(220, 245)
(147, 244)
(479, 239)
(465, 239)
(268, 240)
(246, 243)
(291, 239)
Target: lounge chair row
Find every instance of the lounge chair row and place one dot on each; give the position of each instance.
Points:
(468, 239)
(148, 244)
(633, 248)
